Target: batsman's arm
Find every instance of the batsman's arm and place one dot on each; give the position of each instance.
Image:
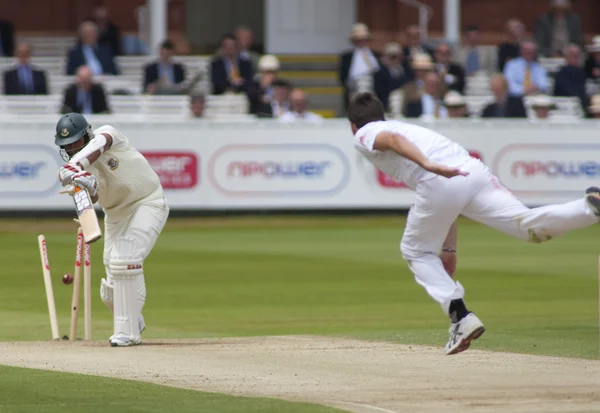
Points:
(390, 141)
(92, 151)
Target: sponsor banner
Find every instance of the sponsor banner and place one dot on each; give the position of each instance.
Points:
(266, 165)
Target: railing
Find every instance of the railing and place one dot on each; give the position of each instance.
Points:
(425, 14)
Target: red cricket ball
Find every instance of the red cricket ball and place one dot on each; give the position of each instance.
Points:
(67, 279)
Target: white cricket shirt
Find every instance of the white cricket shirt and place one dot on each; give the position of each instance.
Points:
(434, 146)
(125, 178)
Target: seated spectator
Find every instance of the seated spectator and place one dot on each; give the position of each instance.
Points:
(430, 104)
(261, 90)
(411, 91)
(474, 57)
(594, 107)
(280, 102)
(358, 62)
(109, 33)
(298, 112)
(557, 28)
(88, 52)
(413, 44)
(451, 74)
(511, 49)
(84, 96)
(393, 73)
(542, 106)
(592, 64)
(570, 79)
(197, 105)
(7, 38)
(164, 73)
(505, 106)
(525, 75)
(24, 79)
(245, 38)
(229, 72)
(455, 105)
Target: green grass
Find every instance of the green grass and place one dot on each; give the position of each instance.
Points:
(27, 390)
(329, 276)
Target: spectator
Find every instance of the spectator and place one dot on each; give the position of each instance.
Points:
(7, 38)
(109, 33)
(474, 57)
(163, 74)
(298, 112)
(505, 106)
(592, 64)
(570, 79)
(594, 107)
(24, 79)
(392, 74)
(245, 38)
(411, 91)
(197, 105)
(542, 105)
(525, 75)
(85, 96)
(557, 28)
(455, 105)
(414, 45)
(89, 53)
(229, 72)
(451, 74)
(358, 62)
(261, 90)
(430, 104)
(509, 50)
(280, 102)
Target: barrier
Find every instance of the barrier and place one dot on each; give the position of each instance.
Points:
(261, 164)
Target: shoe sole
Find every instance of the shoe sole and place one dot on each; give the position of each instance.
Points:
(465, 343)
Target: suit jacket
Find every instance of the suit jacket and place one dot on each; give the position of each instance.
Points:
(590, 65)
(344, 63)
(111, 37)
(12, 83)
(513, 108)
(151, 74)
(103, 53)
(487, 58)
(7, 37)
(99, 103)
(384, 83)
(458, 84)
(219, 76)
(545, 26)
(413, 109)
(570, 81)
(506, 52)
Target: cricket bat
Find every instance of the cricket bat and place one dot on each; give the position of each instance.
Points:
(88, 220)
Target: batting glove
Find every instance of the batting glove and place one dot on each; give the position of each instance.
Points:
(86, 180)
(67, 172)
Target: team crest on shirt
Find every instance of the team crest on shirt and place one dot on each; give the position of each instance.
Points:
(64, 132)
(113, 163)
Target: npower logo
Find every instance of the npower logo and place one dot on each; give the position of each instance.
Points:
(539, 168)
(279, 170)
(28, 170)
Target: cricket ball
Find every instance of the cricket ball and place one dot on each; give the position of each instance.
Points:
(67, 279)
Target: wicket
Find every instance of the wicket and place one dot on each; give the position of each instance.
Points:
(83, 255)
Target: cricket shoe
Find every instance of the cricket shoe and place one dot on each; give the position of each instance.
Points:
(592, 196)
(123, 340)
(462, 333)
(141, 323)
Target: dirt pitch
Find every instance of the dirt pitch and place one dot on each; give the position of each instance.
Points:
(358, 376)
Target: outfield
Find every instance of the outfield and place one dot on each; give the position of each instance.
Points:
(341, 277)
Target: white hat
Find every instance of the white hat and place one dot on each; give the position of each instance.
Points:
(360, 31)
(422, 61)
(594, 104)
(595, 46)
(454, 99)
(392, 48)
(268, 63)
(543, 101)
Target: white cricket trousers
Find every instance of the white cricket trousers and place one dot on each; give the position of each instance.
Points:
(478, 196)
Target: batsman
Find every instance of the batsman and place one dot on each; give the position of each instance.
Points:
(120, 179)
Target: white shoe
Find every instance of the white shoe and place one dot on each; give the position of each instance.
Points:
(142, 326)
(122, 340)
(592, 196)
(462, 333)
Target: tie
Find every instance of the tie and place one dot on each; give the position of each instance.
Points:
(234, 73)
(26, 83)
(436, 109)
(527, 82)
(367, 59)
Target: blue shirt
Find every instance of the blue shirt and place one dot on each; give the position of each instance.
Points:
(26, 78)
(514, 71)
(166, 70)
(91, 60)
(84, 100)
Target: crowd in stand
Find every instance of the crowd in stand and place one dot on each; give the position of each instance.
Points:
(430, 79)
